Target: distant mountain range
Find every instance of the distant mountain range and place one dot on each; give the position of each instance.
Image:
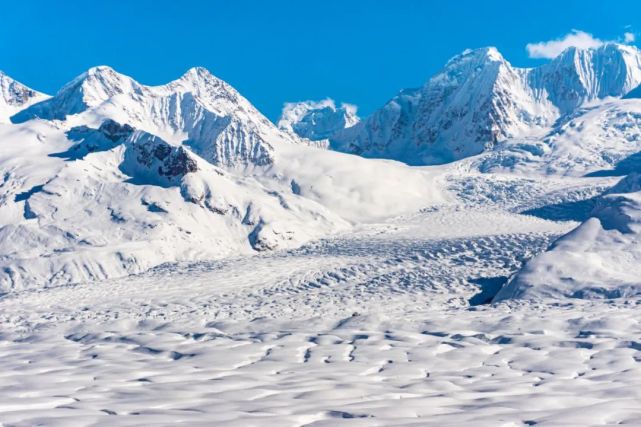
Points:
(478, 100)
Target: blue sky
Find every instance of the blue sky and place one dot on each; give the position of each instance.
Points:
(357, 51)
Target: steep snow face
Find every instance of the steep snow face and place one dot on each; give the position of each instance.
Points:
(317, 120)
(475, 101)
(15, 96)
(579, 76)
(198, 109)
(387, 133)
(479, 99)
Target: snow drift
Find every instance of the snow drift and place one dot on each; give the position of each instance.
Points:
(599, 259)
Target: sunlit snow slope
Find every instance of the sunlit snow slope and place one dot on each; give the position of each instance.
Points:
(111, 177)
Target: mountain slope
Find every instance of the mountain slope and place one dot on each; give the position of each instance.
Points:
(601, 140)
(111, 177)
(15, 96)
(114, 200)
(600, 259)
(479, 99)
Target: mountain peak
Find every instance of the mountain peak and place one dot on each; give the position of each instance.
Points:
(15, 96)
(317, 120)
(201, 82)
(198, 72)
(200, 76)
(608, 48)
(100, 69)
(89, 89)
(471, 63)
(476, 56)
(99, 76)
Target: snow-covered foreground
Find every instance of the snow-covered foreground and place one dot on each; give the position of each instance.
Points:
(375, 327)
(573, 365)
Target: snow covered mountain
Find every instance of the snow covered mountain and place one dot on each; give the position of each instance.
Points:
(211, 116)
(110, 177)
(15, 96)
(317, 120)
(480, 99)
(598, 140)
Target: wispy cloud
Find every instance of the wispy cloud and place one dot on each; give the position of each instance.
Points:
(552, 49)
(575, 38)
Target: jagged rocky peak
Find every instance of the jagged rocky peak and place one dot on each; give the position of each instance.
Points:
(148, 159)
(15, 93)
(90, 89)
(15, 96)
(317, 120)
(156, 159)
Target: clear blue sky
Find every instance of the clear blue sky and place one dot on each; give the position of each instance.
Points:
(360, 51)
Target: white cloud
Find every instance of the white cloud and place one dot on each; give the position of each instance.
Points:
(629, 37)
(552, 49)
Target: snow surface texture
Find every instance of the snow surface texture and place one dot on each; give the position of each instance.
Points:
(479, 99)
(373, 327)
(110, 177)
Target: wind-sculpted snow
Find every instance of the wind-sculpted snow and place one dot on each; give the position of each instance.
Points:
(479, 99)
(370, 327)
